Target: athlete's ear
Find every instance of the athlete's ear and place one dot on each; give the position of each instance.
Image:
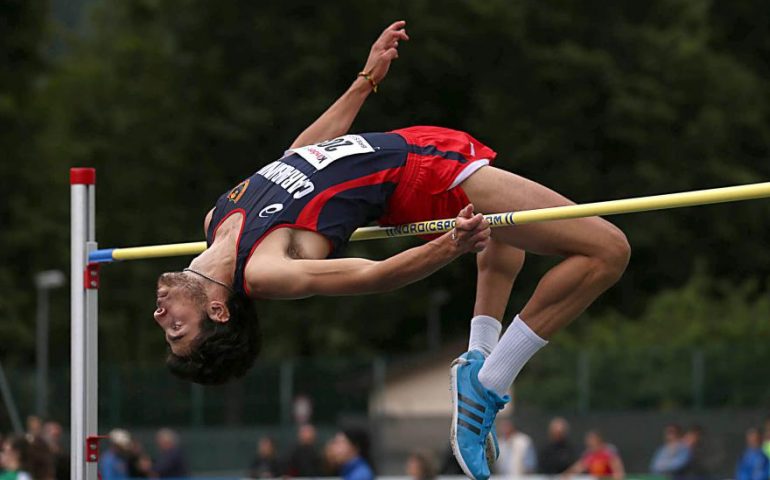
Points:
(218, 311)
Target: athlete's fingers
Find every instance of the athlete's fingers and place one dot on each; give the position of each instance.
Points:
(465, 221)
(390, 54)
(398, 34)
(392, 38)
(397, 25)
(468, 224)
(480, 236)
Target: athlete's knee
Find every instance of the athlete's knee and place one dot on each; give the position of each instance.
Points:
(614, 254)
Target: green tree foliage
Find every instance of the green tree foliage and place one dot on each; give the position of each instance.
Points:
(25, 221)
(174, 101)
(701, 344)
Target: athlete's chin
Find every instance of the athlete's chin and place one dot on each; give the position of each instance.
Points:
(170, 279)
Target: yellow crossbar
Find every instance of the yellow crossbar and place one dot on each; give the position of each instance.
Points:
(612, 207)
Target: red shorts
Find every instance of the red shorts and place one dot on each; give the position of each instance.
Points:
(439, 160)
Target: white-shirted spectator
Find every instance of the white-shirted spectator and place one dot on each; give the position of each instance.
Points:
(517, 452)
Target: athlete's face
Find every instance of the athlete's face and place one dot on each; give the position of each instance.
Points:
(180, 310)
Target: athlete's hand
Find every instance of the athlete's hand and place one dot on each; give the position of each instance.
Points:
(471, 232)
(385, 50)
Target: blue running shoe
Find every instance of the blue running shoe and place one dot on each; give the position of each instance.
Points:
(473, 417)
(493, 448)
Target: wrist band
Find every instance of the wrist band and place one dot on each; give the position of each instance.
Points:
(368, 76)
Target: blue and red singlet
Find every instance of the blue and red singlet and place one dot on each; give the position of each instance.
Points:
(339, 185)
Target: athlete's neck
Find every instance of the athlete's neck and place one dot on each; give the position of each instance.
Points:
(218, 261)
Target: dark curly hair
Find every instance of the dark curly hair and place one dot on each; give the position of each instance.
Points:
(222, 351)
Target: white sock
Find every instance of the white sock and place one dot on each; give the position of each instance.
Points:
(516, 347)
(485, 332)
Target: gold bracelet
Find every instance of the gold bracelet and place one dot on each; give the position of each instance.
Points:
(368, 76)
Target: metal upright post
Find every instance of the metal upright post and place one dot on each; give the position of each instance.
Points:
(45, 281)
(83, 355)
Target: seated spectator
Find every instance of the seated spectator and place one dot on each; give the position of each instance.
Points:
(754, 464)
(52, 434)
(265, 462)
(14, 453)
(113, 464)
(421, 465)
(599, 459)
(517, 453)
(170, 462)
(673, 455)
(304, 460)
(349, 450)
(558, 454)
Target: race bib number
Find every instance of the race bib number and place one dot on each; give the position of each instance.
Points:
(323, 154)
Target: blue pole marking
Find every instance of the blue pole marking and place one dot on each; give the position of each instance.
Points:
(103, 255)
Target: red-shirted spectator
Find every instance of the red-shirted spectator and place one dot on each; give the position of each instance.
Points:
(600, 459)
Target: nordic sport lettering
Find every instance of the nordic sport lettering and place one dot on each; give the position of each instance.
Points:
(288, 178)
(440, 226)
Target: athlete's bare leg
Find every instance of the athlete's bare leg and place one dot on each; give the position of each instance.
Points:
(498, 265)
(595, 252)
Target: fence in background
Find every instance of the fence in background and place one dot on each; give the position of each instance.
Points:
(629, 394)
(558, 379)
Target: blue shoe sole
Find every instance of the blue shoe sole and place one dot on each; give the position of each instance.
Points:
(453, 429)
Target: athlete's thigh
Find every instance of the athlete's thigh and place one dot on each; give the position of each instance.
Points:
(492, 190)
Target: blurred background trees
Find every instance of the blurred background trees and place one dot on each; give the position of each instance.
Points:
(174, 101)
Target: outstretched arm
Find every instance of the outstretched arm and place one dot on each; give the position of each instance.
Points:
(283, 278)
(337, 119)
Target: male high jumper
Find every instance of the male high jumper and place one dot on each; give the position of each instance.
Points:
(278, 235)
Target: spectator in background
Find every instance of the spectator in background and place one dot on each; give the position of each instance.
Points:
(557, 455)
(330, 466)
(40, 460)
(754, 464)
(265, 462)
(305, 460)
(673, 455)
(14, 453)
(517, 453)
(697, 467)
(52, 435)
(113, 464)
(421, 465)
(349, 450)
(170, 462)
(139, 463)
(599, 459)
(766, 445)
(34, 426)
